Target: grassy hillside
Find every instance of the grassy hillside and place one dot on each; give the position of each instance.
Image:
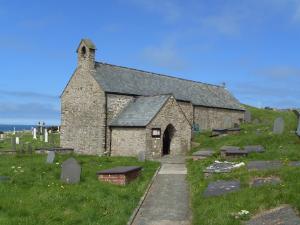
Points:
(285, 147)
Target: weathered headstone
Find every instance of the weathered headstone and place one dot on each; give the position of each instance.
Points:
(278, 126)
(227, 122)
(46, 135)
(254, 148)
(248, 116)
(142, 156)
(70, 172)
(13, 143)
(1, 135)
(221, 187)
(50, 157)
(14, 132)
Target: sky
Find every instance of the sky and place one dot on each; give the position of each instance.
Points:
(253, 46)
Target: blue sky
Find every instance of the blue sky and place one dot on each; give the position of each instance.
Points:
(253, 46)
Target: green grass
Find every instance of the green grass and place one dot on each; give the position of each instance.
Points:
(35, 195)
(25, 138)
(285, 147)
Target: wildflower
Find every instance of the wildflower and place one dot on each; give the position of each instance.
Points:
(57, 163)
(22, 171)
(48, 185)
(62, 187)
(19, 167)
(13, 167)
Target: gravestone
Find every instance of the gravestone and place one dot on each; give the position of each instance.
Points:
(17, 140)
(70, 172)
(34, 133)
(13, 143)
(141, 156)
(294, 163)
(260, 181)
(50, 157)
(278, 126)
(248, 116)
(1, 135)
(254, 148)
(46, 135)
(263, 165)
(227, 122)
(221, 187)
(283, 215)
(4, 179)
(298, 129)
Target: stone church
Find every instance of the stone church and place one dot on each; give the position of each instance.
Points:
(120, 111)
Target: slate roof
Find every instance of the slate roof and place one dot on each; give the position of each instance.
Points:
(117, 79)
(140, 111)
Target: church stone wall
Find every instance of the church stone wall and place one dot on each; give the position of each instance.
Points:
(115, 105)
(188, 110)
(83, 106)
(210, 118)
(181, 142)
(127, 141)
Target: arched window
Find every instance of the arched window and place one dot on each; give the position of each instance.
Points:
(83, 51)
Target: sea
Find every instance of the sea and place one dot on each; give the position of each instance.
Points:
(6, 128)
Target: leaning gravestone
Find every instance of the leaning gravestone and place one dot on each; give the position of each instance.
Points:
(248, 117)
(141, 156)
(50, 157)
(70, 172)
(278, 126)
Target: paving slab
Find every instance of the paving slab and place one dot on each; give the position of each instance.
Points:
(283, 215)
(264, 165)
(221, 187)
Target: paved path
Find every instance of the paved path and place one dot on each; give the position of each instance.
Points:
(167, 202)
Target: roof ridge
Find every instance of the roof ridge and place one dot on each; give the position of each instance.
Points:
(159, 74)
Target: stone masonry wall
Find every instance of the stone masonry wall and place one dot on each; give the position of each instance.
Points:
(181, 141)
(209, 118)
(83, 112)
(115, 105)
(127, 141)
(188, 110)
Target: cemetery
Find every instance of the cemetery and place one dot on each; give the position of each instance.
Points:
(260, 184)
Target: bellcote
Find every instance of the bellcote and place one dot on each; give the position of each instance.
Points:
(86, 53)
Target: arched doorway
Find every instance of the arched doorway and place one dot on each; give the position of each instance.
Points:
(167, 139)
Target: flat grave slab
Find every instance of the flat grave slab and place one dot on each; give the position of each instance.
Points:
(254, 148)
(120, 175)
(232, 151)
(283, 215)
(202, 154)
(260, 181)
(294, 163)
(264, 165)
(234, 130)
(221, 187)
(222, 167)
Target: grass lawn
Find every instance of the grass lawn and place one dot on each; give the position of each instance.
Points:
(25, 138)
(285, 147)
(35, 195)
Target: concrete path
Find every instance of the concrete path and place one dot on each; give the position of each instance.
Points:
(167, 202)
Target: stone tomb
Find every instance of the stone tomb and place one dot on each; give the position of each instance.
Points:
(263, 165)
(70, 172)
(283, 215)
(221, 187)
(278, 126)
(50, 157)
(121, 175)
(260, 181)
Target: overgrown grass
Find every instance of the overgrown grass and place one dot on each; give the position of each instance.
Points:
(285, 147)
(35, 195)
